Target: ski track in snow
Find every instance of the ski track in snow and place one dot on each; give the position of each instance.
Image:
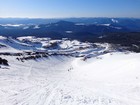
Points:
(61, 80)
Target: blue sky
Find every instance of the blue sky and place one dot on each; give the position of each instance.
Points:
(69, 8)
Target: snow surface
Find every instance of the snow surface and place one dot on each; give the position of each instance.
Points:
(111, 78)
(69, 32)
(12, 25)
(80, 24)
(26, 27)
(114, 21)
(36, 27)
(2, 38)
(104, 24)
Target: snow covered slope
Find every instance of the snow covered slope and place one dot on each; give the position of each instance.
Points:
(111, 78)
(49, 46)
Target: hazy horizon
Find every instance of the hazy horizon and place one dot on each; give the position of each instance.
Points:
(61, 17)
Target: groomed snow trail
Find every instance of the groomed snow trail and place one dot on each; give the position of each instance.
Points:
(110, 79)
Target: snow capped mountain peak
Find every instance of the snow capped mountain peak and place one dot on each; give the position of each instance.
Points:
(2, 38)
(36, 27)
(115, 21)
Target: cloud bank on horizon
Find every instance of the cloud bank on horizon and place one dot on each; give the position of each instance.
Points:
(69, 8)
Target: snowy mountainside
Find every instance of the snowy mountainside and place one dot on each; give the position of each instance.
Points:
(42, 71)
(32, 44)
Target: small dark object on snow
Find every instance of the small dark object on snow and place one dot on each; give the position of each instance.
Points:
(4, 62)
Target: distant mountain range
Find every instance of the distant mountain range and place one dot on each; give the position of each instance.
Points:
(123, 31)
(130, 23)
(74, 28)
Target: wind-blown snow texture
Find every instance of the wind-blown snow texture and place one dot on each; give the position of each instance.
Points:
(111, 78)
